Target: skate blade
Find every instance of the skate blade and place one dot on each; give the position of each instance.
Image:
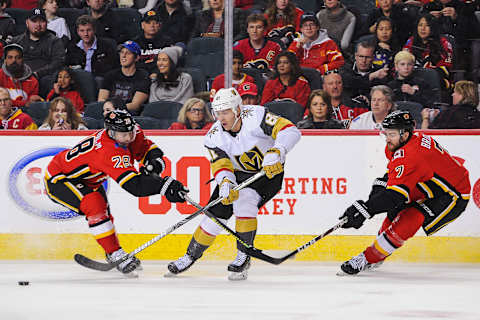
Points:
(131, 275)
(170, 275)
(238, 276)
(342, 273)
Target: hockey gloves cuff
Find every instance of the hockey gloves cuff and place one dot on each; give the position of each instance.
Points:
(227, 193)
(272, 164)
(356, 215)
(173, 190)
(154, 166)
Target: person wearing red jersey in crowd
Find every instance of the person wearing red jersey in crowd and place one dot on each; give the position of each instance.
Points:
(344, 108)
(314, 49)
(62, 116)
(249, 93)
(65, 87)
(258, 51)
(238, 77)
(431, 50)
(74, 178)
(13, 117)
(283, 21)
(17, 77)
(24, 4)
(288, 82)
(193, 115)
(425, 187)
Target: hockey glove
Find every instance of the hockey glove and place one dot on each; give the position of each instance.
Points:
(227, 193)
(173, 190)
(271, 163)
(356, 214)
(155, 166)
(379, 185)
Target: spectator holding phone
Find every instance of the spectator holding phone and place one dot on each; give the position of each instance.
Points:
(62, 116)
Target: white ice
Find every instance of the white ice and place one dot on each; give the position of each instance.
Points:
(293, 290)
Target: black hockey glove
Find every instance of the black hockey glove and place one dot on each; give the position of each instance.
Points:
(356, 215)
(379, 185)
(173, 190)
(156, 166)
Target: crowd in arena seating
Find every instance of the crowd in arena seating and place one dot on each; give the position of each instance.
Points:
(332, 64)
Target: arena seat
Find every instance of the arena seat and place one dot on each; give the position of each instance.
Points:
(257, 76)
(433, 79)
(206, 53)
(129, 23)
(287, 109)
(92, 123)
(414, 108)
(20, 16)
(94, 110)
(86, 85)
(38, 111)
(70, 15)
(164, 110)
(308, 5)
(149, 123)
(314, 78)
(198, 78)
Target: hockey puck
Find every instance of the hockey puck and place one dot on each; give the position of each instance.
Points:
(23, 283)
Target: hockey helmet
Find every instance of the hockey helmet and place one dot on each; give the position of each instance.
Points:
(119, 120)
(399, 119)
(226, 98)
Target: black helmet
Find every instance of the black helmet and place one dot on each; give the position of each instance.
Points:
(119, 120)
(399, 119)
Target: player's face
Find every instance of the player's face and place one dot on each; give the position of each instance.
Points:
(127, 58)
(163, 63)
(256, 30)
(423, 29)
(318, 108)
(150, 28)
(404, 68)
(123, 138)
(64, 79)
(392, 137)
(333, 85)
(196, 113)
(5, 104)
(86, 33)
(384, 31)
(227, 118)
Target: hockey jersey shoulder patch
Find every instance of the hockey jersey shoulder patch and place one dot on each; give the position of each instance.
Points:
(398, 154)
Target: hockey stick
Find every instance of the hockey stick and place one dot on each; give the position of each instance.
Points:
(105, 266)
(259, 254)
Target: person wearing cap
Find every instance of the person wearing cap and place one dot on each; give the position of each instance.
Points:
(249, 93)
(107, 25)
(17, 77)
(43, 52)
(238, 77)
(176, 21)
(91, 53)
(128, 83)
(168, 83)
(151, 41)
(314, 49)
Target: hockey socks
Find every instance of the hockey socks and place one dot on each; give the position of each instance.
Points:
(246, 229)
(104, 233)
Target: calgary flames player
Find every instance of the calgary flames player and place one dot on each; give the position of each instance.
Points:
(74, 178)
(243, 141)
(424, 187)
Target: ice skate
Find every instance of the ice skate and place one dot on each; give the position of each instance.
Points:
(353, 266)
(180, 265)
(129, 266)
(238, 269)
(373, 266)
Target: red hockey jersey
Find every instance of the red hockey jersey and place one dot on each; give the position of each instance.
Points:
(275, 90)
(262, 59)
(18, 120)
(73, 96)
(20, 90)
(219, 83)
(281, 29)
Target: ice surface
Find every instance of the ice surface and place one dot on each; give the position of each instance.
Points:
(293, 290)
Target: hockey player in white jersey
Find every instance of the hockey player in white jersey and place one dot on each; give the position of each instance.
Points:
(243, 141)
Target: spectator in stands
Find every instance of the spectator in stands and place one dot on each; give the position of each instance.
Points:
(141, 5)
(12, 117)
(65, 87)
(430, 49)
(381, 105)
(320, 113)
(344, 109)
(456, 18)
(402, 27)
(113, 103)
(258, 52)
(43, 52)
(7, 24)
(463, 114)
(151, 41)
(338, 21)
(249, 93)
(209, 22)
(362, 75)
(251, 5)
(386, 45)
(93, 54)
(17, 77)
(62, 116)
(283, 21)
(168, 83)
(288, 82)
(175, 21)
(107, 25)
(24, 4)
(55, 23)
(406, 86)
(314, 49)
(130, 84)
(238, 77)
(193, 115)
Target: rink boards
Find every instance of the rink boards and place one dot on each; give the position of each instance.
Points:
(324, 174)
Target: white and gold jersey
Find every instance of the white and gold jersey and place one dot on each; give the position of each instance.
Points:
(244, 151)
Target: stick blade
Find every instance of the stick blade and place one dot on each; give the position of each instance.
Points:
(92, 264)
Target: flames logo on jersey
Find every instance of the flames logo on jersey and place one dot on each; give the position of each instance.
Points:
(251, 161)
(260, 64)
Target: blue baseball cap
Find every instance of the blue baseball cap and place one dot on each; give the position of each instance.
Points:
(132, 46)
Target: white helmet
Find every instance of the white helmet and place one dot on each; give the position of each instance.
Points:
(227, 98)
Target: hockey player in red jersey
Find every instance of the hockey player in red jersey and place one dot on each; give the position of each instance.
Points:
(424, 187)
(74, 178)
